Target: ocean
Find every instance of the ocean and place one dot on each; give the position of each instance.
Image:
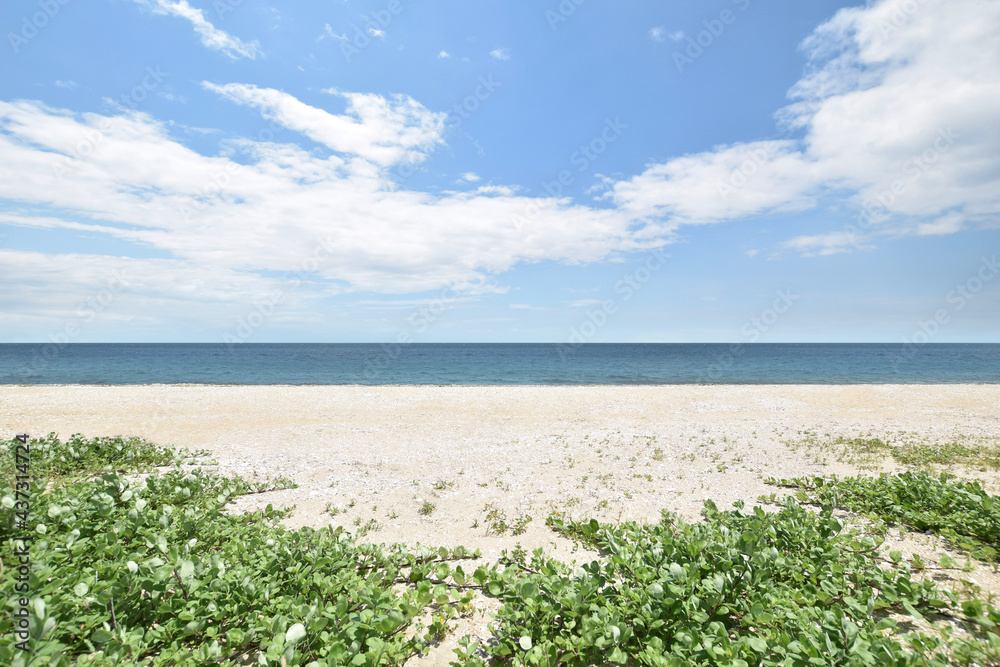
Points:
(497, 364)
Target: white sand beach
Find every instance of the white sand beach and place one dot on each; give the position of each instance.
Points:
(374, 456)
(607, 451)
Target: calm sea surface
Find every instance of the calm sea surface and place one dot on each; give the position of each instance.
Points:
(497, 364)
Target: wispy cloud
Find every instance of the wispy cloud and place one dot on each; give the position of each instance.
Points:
(211, 37)
(71, 85)
(328, 32)
(500, 54)
(444, 54)
(656, 33)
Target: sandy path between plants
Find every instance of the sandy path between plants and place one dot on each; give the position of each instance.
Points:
(612, 452)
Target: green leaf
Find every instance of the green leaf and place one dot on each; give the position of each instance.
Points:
(101, 637)
(81, 589)
(295, 633)
(524, 642)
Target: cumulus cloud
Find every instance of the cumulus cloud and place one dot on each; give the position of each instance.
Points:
(211, 37)
(500, 54)
(266, 209)
(897, 120)
(897, 134)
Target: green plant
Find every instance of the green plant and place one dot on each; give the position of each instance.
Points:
(520, 525)
(785, 588)
(158, 572)
(962, 512)
(496, 519)
(426, 509)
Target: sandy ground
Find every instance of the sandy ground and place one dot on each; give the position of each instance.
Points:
(625, 452)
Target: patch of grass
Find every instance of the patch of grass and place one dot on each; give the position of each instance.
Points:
(62, 461)
(962, 512)
(441, 485)
(365, 527)
(158, 572)
(912, 452)
(496, 519)
(657, 454)
(785, 588)
(426, 509)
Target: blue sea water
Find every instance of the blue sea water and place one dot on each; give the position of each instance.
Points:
(498, 364)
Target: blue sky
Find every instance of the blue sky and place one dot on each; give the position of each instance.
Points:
(339, 171)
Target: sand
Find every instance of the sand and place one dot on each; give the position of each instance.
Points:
(615, 453)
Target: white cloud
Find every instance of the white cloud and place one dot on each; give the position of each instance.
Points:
(947, 224)
(278, 207)
(899, 105)
(827, 244)
(677, 36)
(470, 177)
(656, 33)
(380, 130)
(375, 32)
(500, 54)
(211, 36)
(72, 85)
(328, 32)
(444, 54)
(227, 226)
